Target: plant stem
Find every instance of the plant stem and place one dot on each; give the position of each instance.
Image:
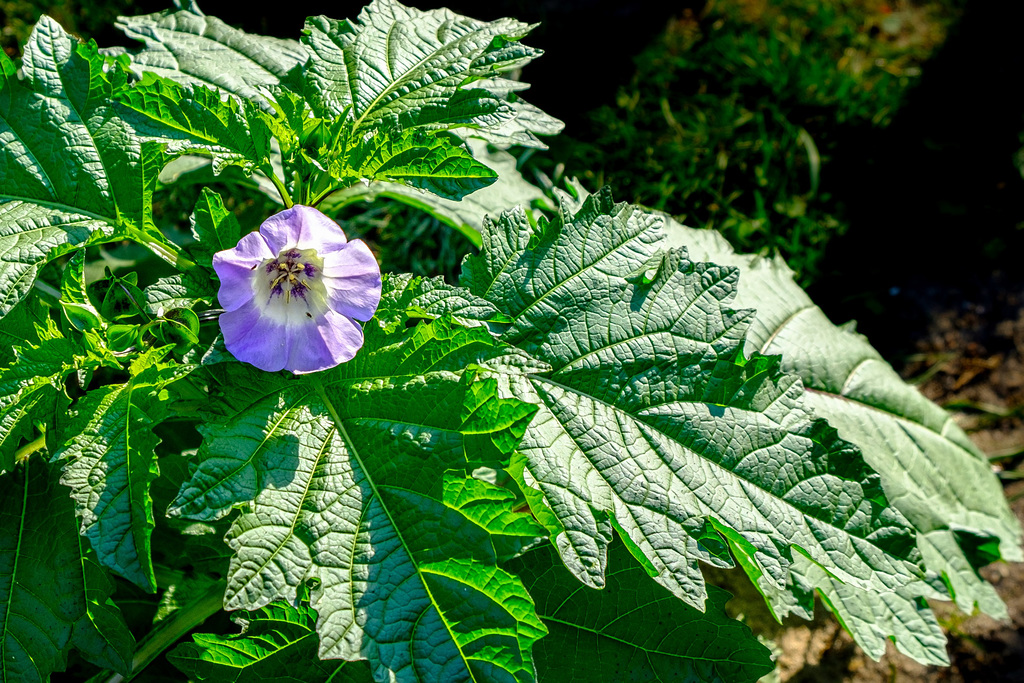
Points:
(46, 289)
(324, 195)
(164, 249)
(281, 189)
(38, 444)
(177, 625)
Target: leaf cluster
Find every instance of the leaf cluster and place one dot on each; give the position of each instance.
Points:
(517, 478)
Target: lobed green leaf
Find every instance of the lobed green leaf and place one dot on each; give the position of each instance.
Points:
(278, 642)
(653, 422)
(214, 227)
(465, 215)
(436, 163)
(343, 478)
(187, 46)
(71, 172)
(400, 66)
(928, 467)
(32, 387)
(109, 463)
(195, 119)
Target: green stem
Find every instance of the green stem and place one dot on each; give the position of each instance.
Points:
(164, 249)
(299, 187)
(324, 195)
(46, 289)
(177, 625)
(38, 444)
(281, 189)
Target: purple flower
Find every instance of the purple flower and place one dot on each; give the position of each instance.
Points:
(293, 291)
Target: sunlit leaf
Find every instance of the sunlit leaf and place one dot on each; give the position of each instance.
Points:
(187, 46)
(342, 479)
(71, 173)
(111, 431)
(654, 422)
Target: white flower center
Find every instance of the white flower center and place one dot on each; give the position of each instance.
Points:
(290, 287)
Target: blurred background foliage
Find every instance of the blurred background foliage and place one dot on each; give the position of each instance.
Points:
(734, 112)
(87, 18)
(728, 122)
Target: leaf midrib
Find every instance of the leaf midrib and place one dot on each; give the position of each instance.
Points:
(56, 206)
(842, 397)
(376, 493)
(255, 661)
(298, 512)
(39, 164)
(156, 28)
(894, 416)
(107, 178)
(14, 573)
(405, 77)
(602, 257)
(716, 465)
(644, 334)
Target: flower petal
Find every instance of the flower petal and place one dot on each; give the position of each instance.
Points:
(235, 268)
(296, 311)
(323, 344)
(302, 227)
(254, 339)
(353, 281)
(235, 285)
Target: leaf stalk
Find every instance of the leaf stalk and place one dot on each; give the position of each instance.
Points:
(37, 444)
(281, 189)
(176, 626)
(164, 249)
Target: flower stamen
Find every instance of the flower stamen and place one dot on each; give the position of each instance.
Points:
(293, 275)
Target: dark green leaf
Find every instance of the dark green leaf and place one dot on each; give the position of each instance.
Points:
(436, 163)
(32, 388)
(184, 290)
(278, 643)
(633, 630)
(52, 595)
(195, 119)
(73, 296)
(214, 227)
(19, 328)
